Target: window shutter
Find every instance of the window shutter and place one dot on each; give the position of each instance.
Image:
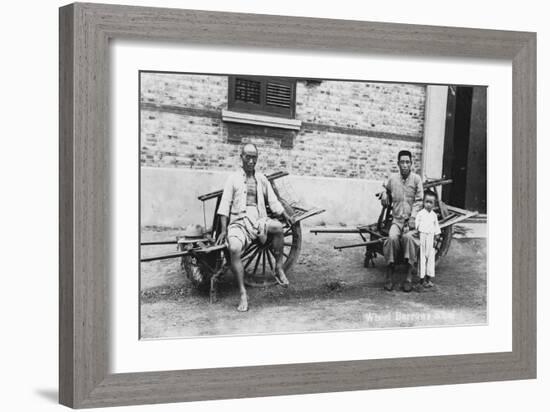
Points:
(248, 91)
(263, 95)
(279, 95)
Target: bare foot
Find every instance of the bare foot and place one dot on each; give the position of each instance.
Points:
(428, 283)
(243, 304)
(281, 278)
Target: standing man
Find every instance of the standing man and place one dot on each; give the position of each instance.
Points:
(243, 218)
(405, 191)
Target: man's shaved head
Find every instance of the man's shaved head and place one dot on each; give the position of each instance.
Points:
(249, 157)
(249, 148)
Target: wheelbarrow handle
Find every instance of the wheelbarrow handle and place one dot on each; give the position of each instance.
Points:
(362, 244)
(197, 251)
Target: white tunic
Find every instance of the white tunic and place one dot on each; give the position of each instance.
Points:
(426, 222)
(428, 226)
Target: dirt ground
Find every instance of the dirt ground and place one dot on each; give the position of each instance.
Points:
(330, 290)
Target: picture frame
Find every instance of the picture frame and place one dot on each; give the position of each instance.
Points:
(85, 32)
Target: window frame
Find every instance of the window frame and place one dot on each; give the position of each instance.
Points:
(263, 108)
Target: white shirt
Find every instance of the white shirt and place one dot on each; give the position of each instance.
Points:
(426, 222)
(233, 200)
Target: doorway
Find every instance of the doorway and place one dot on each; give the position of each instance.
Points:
(465, 148)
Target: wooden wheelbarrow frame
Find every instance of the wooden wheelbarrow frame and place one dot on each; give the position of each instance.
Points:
(203, 247)
(374, 235)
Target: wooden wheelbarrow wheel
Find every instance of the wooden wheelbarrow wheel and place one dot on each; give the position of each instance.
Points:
(259, 261)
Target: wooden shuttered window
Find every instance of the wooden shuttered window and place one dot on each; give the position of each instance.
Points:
(262, 95)
(248, 91)
(278, 94)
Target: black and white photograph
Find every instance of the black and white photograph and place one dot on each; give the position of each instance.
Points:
(269, 206)
(288, 205)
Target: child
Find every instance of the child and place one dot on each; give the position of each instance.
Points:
(427, 225)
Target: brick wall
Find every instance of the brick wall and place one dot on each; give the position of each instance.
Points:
(194, 91)
(372, 107)
(349, 129)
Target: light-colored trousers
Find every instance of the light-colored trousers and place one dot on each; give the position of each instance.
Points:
(400, 244)
(427, 255)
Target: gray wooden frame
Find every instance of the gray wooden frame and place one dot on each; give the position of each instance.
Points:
(85, 30)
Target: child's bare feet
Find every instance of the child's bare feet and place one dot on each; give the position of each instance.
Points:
(428, 282)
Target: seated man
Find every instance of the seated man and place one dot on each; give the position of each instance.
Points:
(244, 196)
(406, 191)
